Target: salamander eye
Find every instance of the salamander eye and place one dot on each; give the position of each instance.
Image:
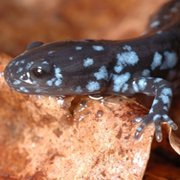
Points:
(41, 71)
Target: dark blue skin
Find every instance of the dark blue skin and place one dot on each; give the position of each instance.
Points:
(148, 64)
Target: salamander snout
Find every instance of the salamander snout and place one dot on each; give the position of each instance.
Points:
(33, 77)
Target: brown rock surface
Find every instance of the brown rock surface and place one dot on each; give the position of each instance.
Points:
(74, 137)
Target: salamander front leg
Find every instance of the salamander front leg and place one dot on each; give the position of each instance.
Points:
(158, 113)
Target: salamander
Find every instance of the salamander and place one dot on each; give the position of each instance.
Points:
(149, 64)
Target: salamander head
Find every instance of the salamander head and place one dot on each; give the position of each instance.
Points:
(28, 76)
(52, 70)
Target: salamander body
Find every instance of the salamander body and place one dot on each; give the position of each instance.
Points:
(149, 64)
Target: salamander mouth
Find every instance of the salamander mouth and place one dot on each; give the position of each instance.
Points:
(29, 89)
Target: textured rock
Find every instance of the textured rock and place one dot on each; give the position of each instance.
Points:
(74, 137)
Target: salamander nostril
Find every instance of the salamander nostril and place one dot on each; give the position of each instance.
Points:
(24, 77)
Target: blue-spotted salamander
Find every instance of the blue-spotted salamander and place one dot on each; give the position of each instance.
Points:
(148, 64)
